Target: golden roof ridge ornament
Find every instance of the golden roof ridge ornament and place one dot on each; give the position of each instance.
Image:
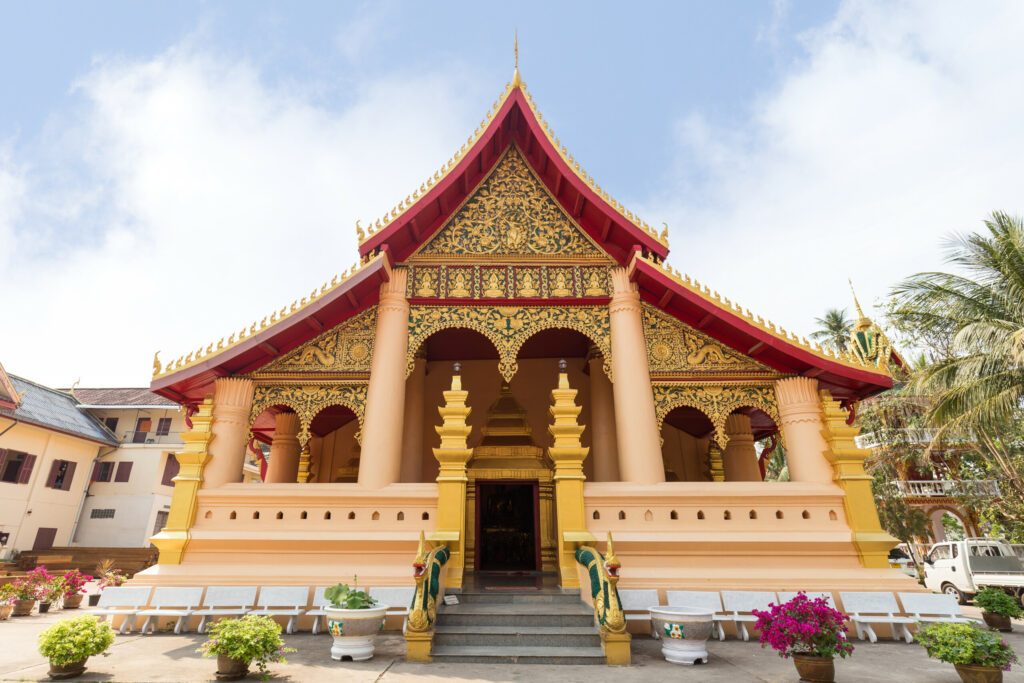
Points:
(517, 81)
(863, 322)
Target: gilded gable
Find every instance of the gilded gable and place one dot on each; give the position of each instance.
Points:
(674, 347)
(345, 348)
(511, 213)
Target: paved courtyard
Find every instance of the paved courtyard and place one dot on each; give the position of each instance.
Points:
(166, 657)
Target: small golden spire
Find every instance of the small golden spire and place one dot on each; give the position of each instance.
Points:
(863, 322)
(516, 79)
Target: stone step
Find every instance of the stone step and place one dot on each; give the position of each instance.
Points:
(517, 597)
(517, 636)
(517, 655)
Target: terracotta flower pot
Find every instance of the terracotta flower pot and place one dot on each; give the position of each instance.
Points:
(815, 669)
(72, 670)
(94, 599)
(971, 673)
(44, 607)
(229, 669)
(353, 631)
(5, 612)
(997, 621)
(23, 608)
(73, 601)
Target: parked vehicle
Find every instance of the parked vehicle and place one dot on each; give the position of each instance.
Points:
(962, 568)
(902, 557)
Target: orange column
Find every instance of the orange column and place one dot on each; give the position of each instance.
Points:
(381, 460)
(740, 456)
(602, 419)
(412, 430)
(801, 417)
(283, 467)
(232, 399)
(639, 443)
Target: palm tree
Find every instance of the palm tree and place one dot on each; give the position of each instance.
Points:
(835, 329)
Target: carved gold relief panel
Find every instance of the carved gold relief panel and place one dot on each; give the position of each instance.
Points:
(508, 327)
(345, 348)
(676, 348)
(307, 400)
(511, 213)
(446, 281)
(717, 401)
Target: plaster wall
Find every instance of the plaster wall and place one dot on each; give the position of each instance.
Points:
(25, 508)
(127, 419)
(131, 526)
(334, 452)
(684, 455)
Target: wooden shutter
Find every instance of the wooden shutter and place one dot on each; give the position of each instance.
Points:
(95, 470)
(26, 469)
(3, 460)
(52, 476)
(124, 471)
(171, 468)
(69, 476)
(163, 426)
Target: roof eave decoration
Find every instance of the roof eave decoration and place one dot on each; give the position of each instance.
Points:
(250, 348)
(9, 397)
(405, 219)
(847, 375)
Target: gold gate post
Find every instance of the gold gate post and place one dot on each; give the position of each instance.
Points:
(568, 455)
(172, 540)
(452, 457)
(872, 541)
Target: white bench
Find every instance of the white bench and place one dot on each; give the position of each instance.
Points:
(931, 607)
(876, 608)
(171, 601)
(702, 600)
(283, 601)
(225, 601)
(123, 601)
(319, 603)
(396, 598)
(636, 604)
(786, 596)
(740, 604)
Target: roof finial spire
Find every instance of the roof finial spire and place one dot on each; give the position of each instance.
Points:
(516, 80)
(863, 322)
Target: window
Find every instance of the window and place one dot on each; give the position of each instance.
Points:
(171, 468)
(102, 513)
(111, 423)
(124, 471)
(62, 473)
(163, 426)
(940, 552)
(15, 466)
(142, 427)
(102, 471)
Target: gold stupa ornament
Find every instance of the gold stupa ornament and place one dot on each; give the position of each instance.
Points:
(868, 342)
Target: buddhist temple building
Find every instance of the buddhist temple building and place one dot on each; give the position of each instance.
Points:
(513, 369)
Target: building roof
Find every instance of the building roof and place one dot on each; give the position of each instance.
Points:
(8, 396)
(57, 410)
(121, 397)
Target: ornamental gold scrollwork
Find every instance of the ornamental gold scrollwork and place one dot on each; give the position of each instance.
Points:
(307, 400)
(716, 401)
(508, 328)
(509, 281)
(674, 347)
(347, 347)
(511, 213)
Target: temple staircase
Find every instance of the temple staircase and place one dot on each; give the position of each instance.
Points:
(541, 626)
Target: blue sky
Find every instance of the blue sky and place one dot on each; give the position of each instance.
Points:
(170, 172)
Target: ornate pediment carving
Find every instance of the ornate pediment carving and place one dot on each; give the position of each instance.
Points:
(345, 348)
(673, 347)
(511, 213)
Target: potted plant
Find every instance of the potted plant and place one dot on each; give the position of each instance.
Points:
(353, 619)
(237, 643)
(7, 599)
(74, 588)
(70, 642)
(998, 607)
(683, 632)
(51, 592)
(29, 589)
(810, 632)
(979, 656)
(108, 576)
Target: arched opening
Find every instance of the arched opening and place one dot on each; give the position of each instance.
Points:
(425, 516)
(304, 515)
(400, 517)
(748, 430)
(208, 515)
(333, 449)
(673, 515)
(273, 421)
(327, 515)
(280, 515)
(686, 437)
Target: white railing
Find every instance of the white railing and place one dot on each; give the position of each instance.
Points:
(917, 436)
(151, 437)
(943, 488)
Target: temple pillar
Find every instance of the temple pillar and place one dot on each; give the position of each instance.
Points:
(801, 424)
(602, 422)
(740, 456)
(232, 399)
(452, 457)
(381, 461)
(636, 425)
(283, 467)
(412, 429)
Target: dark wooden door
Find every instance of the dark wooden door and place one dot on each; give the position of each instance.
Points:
(142, 427)
(45, 536)
(508, 526)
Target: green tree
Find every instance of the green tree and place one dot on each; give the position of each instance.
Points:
(834, 329)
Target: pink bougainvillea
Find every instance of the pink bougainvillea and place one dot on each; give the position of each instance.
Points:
(74, 582)
(804, 627)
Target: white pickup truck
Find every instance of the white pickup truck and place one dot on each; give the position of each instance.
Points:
(962, 568)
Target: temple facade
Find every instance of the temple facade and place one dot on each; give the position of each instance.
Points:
(513, 370)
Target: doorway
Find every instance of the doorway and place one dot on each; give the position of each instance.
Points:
(507, 528)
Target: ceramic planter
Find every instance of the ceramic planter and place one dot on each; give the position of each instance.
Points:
(997, 621)
(73, 601)
(815, 669)
(683, 632)
(23, 608)
(229, 669)
(5, 612)
(94, 599)
(353, 631)
(73, 670)
(971, 673)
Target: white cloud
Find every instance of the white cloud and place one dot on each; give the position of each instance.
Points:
(206, 199)
(900, 126)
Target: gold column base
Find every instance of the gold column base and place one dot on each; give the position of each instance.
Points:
(616, 648)
(171, 545)
(417, 646)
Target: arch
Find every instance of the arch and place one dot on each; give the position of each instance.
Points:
(805, 514)
(753, 514)
(596, 515)
(327, 515)
(425, 516)
(256, 515)
(233, 515)
(714, 400)
(375, 516)
(208, 515)
(400, 517)
(832, 516)
(307, 401)
(673, 515)
(280, 515)
(622, 514)
(648, 516)
(304, 515)
(727, 515)
(778, 514)
(700, 514)
(351, 515)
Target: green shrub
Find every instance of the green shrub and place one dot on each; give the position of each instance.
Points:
(73, 640)
(997, 601)
(249, 639)
(343, 597)
(966, 644)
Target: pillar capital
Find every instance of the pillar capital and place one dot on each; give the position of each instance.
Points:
(800, 418)
(232, 399)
